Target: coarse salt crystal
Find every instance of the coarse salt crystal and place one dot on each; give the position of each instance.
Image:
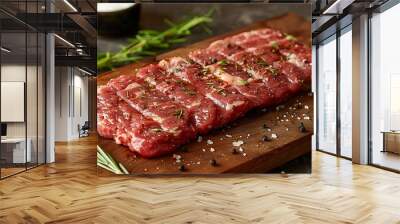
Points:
(241, 149)
(199, 139)
(176, 156)
(244, 154)
(229, 136)
(210, 142)
(237, 143)
(212, 150)
(274, 136)
(306, 107)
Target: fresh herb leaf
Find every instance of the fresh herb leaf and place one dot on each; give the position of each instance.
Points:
(106, 161)
(274, 45)
(223, 62)
(189, 91)
(156, 129)
(176, 70)
(178, 113)
(243, 82)
(221, 92)
(262, 63)
(211, 84)
(290, 37)
(204, 71)
(151, 42)
(273, 70)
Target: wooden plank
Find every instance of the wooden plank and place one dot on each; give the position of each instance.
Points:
(257, 156)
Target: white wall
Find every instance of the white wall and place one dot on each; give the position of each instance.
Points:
(70, 83)
(12, 73)
(61, 103)
(33, 127)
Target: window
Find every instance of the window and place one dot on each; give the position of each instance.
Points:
(345, 92)
(385, 87)
(326, 123)
(22, 78)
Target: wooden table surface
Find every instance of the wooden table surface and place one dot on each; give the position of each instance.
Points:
(255, 155)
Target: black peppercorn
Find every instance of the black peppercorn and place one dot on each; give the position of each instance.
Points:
(265, 126)
(266, 138)
(213, 162)
(234, 151)
(181, 167)
(302, 128)
(184, 148)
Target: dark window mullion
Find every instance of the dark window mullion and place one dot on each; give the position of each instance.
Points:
(37, 90)
(369, 100)
(26, 87)
(338, 73)
(316, 96)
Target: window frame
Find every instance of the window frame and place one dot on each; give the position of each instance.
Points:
(378, 10)
(339, 32)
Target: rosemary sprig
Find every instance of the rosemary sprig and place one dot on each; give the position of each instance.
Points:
(223, 62)
(105, 161)
(243, 82)
(274, 45)
(151, 42)
(178, 113)
(262, 63)
(290, 37)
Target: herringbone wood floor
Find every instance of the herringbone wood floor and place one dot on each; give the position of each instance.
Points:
(70, 192)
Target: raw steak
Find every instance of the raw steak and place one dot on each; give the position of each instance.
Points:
(202, 112)
(167, 104)
(172, 117)
(230, 102)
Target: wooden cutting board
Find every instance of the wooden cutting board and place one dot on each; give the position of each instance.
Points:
(254, 155)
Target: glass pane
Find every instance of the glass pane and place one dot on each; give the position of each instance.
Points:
(385, 114)
(313, 87)
(13, 84)
(327, 96)
(31, 98)
(346, 93)
(41, 99)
